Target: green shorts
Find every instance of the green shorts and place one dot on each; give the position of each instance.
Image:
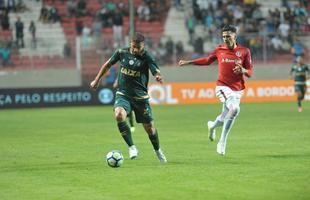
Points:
(142, 108)
(300, 88)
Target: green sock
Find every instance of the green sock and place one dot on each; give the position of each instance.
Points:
(154, 140)
(130, 116)
(299, 101)
(125, 131)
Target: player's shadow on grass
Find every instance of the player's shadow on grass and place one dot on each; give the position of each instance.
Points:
(285, 156)
(50, 166)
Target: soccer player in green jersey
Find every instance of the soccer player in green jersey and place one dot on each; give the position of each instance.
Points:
(300, 74)
(132, 91)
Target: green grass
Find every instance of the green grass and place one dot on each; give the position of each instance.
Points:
(58, 153)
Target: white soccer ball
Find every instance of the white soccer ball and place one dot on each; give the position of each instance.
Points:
(115, 158)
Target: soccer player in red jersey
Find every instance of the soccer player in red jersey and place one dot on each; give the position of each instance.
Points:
(234, 62)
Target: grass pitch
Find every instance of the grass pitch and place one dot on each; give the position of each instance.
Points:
(58, 153)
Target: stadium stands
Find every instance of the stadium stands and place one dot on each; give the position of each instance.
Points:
(92, 57)
(52, 37)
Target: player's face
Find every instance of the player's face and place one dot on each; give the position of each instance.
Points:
(299, 60)
(229, 39)
(136, 47)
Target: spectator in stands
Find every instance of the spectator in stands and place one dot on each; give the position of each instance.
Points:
(257, 14)
(86, 39)
(67, 50)
(71, 8)
(53, 14)
(11, 5)
(198, 47)
(111, 6)
(238, 13)
(179, 50)
(5, 20)
(19, 31)
(208, 21)
(117, 21)
(190, 25)
(44, 15)
(20, 6)
(163, 7)
(79, 27)
(123, 7)
(300, 14)
(297, 48)
(276, 43)
(203, 4)
(154, 12)
(32, 30)
(104, 17)
(300, 10)
(96, 29)
(2, 5)
(270, 25)
(255, 45)
(161, 52)
(169, 50)
(5, 55)
(284, 29)
(285, 3)
(148, 41)
(144, 12)
(177, 4)
(304, 3)
(81, 8)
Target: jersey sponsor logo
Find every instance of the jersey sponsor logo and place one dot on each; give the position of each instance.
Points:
(105, 96)
(130, 72)
(228, 60)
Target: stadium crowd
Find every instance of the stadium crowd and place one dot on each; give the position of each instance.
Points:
(6, 44)
(279, 28)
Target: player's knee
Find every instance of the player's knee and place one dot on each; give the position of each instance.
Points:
(149, 128)
(234, 110)
(120, 115)
(299, 96)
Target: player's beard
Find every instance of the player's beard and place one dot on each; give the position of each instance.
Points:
(137, 53)
(229, 44)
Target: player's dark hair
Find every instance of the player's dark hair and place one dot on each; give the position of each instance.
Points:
(230, 28)
(138, 38)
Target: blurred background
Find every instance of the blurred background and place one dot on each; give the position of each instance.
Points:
(63, 43)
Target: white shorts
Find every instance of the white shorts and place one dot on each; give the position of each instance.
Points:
(224, 93)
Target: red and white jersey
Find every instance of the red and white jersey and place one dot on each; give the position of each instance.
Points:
(227, 59)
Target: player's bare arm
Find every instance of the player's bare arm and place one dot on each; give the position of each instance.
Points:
(184, 62)
(105, 67)
(291, 75)
(159, 78)
(115, 84)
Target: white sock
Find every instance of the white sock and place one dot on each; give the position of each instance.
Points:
(216, 123)
(220, 119)
(229, 122)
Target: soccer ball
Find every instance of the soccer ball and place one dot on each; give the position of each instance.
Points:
(115, 158)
